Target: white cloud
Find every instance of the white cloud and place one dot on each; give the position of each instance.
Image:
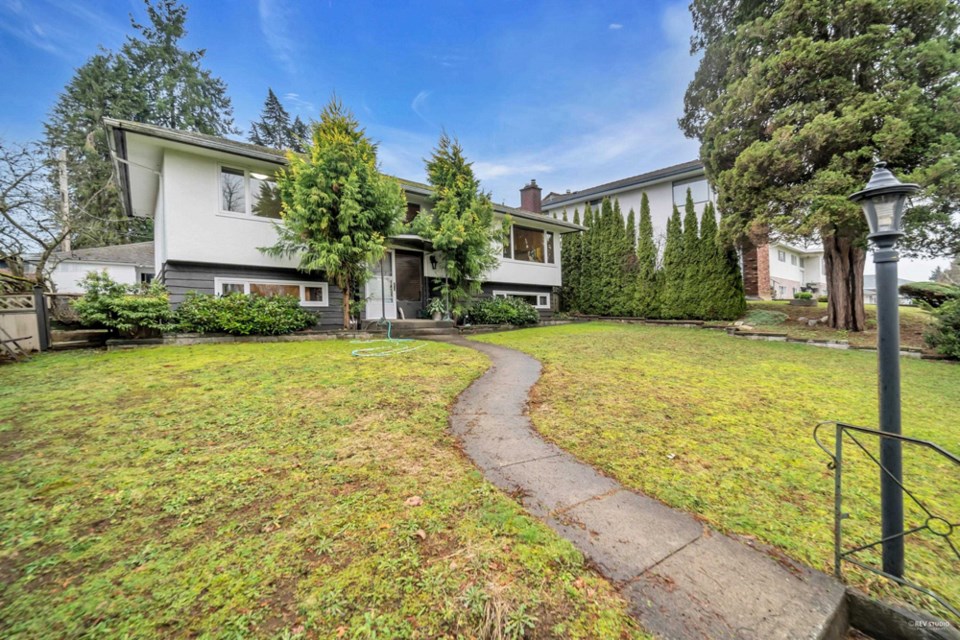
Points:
(274, 20)
(615, 26)
(418, 104)
(299, 105)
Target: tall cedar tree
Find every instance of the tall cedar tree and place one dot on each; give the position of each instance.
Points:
(152, 79)
(793, 101)
(646, 289)
(460, 223)
(674, 269)
(598, 289)
(338, 209)
(712, 281)
(693, 260)
(612, 229)
(735, 302)
(275, 129)
(588, 262)
(570, 264)
(627, 293)
(622, 253)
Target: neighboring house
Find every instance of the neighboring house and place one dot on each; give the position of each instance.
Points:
(870, 290)
(125, 263)
(774, 270)
(214, 206)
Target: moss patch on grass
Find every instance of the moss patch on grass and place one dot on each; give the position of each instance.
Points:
(267, 490)
(723, 429)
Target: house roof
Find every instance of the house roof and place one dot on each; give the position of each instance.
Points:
(870, 282)
(118, 129)
(554, 200)
(139, 253)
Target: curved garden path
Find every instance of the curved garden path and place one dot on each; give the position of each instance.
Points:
(681, 578)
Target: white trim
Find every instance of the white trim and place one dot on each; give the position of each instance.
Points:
(499, 293)
(218, 283)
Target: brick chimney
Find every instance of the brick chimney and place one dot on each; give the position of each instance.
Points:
(530, 197)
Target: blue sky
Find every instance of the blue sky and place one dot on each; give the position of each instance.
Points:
(570, 93)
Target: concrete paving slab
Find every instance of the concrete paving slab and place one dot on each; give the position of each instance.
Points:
(556, 482)
(491, 451)
(626, 533)
(718, 587)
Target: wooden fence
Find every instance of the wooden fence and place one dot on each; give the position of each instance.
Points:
(23, 318)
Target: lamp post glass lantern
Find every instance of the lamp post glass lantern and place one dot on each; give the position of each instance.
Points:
(883, 201)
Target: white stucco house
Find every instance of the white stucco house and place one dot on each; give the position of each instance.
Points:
(213, 204)
(124, 263)
(775, 270)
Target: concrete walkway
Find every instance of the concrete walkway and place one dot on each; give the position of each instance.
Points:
(682, 579)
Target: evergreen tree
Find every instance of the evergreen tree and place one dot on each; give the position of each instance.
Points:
(570, 264)
(609, 258)
(693, 261)
(712, 281)
(645, 291)
(274, 129)
(794, 100)
(629, 282)
(152, 79)
(674, 270)
(460, 223)
(734, 302)
(338, 209)
(589, 269)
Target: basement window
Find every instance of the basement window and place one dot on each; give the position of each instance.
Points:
(310, 294)
(538, 300)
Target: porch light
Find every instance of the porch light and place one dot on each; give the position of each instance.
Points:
(883, 201)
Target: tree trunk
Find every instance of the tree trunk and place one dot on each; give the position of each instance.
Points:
(843, 261)
(346, 304)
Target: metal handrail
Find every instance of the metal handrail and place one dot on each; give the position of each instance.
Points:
(944, 529)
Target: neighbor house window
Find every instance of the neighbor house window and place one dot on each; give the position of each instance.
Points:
(248, 192)
(538, 300)
(803, 263)
(793, 259)
(699, 191)
(310, 294)
(781, 255)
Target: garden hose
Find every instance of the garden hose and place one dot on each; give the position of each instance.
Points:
(393, 346)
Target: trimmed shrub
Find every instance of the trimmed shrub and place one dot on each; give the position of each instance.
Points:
(931, 293)
(503, 311)
(803, 295)
(242, 315)
(126, 310)
(945, 335)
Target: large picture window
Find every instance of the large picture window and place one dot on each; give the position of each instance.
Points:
(529, 245)
(249, 193)
(311, 294)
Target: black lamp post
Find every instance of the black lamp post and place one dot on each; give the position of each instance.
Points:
(883, 201)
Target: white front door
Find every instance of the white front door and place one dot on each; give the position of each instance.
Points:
(380, 292)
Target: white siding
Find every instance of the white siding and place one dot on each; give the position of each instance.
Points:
(66, 276)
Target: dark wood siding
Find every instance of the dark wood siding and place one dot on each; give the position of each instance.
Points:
(181, 277)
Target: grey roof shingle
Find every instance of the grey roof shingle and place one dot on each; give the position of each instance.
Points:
(554, 199)
(139, 253)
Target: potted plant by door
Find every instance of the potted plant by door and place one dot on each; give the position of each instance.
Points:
(436, 308)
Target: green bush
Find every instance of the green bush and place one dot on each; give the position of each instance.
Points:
(931, 293)
(945, 335)
(803, 295)
(126, 310)
(822, 298)
(242, 315)
(503, 311)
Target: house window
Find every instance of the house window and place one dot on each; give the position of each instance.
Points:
(781, 255)
(803, 263)
(528, 244)
(310, 294)
(698, 187)
(550, 256)
(537, 300)
(413, 210)
(249, 193)
(146, 278)
(793, 259)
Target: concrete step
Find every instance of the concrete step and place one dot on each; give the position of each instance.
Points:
(76, 344)
(91, 335)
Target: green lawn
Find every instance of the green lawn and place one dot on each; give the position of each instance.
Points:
(722, 427)
(267, 490)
